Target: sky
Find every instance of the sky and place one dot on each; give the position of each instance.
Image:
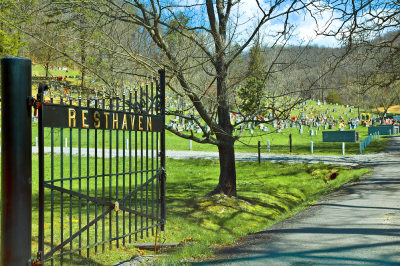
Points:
(305, 25)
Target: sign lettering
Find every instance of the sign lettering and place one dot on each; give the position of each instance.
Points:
(91, 118)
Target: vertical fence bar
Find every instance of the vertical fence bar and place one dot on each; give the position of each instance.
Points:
(152, 156)
(52, 191)
(343, 148)
(41, 175)
(116, 169)
(123, 168)
(259, 152)
(130, 170)
(290, 142)
(88, 184)
(157, 158)
(70, 186)
(103, 172)
(163, 177)
(136, 175)
(16, 161)
(62, 186)
(110, 177)
(268, 148)
(312, 147)
(141, 163)
(147, 159)
(95, 173)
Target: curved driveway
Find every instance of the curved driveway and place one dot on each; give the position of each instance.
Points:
(357, 226)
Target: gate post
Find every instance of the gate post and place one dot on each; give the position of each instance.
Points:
(162, 159)
(16, 161)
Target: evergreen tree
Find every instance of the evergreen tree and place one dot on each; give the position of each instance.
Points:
(253, 93)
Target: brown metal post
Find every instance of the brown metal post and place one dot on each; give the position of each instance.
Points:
(259, 152)
(16, 161)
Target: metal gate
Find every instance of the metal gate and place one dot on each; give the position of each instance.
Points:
(101, 169)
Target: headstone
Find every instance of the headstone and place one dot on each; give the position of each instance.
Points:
(301, 131)
(351, 110)
(265, 129)
(251, 131)
(311, 132)
(279, 130)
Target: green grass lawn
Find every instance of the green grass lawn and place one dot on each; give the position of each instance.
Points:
(267, 193)
(279, 142)
(39, 71)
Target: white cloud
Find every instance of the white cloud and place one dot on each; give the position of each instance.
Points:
(306, 26)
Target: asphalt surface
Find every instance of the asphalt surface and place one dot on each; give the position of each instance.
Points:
(341, 160)
(358, 225)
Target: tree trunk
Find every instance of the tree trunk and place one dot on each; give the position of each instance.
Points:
(226, 148)
(227, 176)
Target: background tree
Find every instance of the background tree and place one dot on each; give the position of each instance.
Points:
(252, 94)
(370, 33)
(333, 97)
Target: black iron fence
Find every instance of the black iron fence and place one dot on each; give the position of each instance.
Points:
(101, 170)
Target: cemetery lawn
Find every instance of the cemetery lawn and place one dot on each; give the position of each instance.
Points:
(279, 142)
(267, 194)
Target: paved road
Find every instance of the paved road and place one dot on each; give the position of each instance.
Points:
(349, 160)
(356, 226)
